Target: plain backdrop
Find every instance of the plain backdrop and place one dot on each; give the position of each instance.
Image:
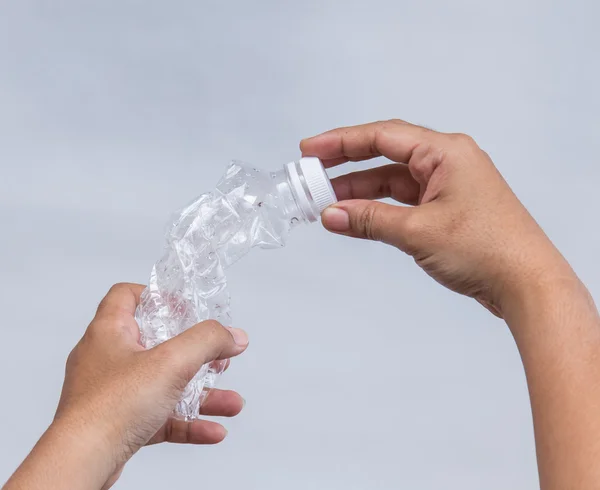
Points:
(362, 371)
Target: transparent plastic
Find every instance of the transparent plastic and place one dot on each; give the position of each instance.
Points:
(249, 208)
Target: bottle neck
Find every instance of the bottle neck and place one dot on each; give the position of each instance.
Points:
(303, 190)
(289, 199)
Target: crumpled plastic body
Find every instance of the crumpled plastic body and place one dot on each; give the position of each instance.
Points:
(188, 284)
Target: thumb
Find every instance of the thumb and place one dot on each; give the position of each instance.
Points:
(372, 220)
(200, 344)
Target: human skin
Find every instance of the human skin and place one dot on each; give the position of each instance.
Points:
(464, 227)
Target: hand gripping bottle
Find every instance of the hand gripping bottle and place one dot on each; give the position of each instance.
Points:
(248, 208)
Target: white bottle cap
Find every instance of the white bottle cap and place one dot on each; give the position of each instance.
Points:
(311, 186)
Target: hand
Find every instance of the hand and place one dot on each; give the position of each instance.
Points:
(118, 397)
(465, 227)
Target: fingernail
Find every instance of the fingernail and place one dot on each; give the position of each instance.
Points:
(243, 402)
(336, 219)
(239, 336)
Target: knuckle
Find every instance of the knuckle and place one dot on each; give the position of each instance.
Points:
(396, 122)
(389, 127)
(393, 122)
(112, 306)
(463, 140)
(101, 306)
(212, 329)
(77, 354)
(72, 359)
(426, 158)
(413, 224)
(366, 221)
(94, 330)
(109, 323)
(119, 287)
(467, 151)
(115, 289)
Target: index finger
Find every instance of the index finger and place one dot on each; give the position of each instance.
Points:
(394, 139)
(121, 298)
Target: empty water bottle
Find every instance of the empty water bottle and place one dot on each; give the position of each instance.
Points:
(249, 208)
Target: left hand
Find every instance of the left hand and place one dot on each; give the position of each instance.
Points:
(118, 396)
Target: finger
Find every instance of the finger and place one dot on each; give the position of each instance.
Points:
(121, 298)
(114, 322)
(372, 220)
(333, 162)
(222, 403)
(395, 139)
(201, 344)
(195, 432)
(393, 181)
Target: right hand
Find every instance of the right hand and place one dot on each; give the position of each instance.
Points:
(464, 225)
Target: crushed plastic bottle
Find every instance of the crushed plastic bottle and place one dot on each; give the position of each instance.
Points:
(249, 208)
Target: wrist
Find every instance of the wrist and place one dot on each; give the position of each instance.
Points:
(105, 433)
(66, 456)
(82, 445)
(551, 302)
(529, 279)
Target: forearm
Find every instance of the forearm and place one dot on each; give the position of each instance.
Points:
(557, 329)
(64, 457)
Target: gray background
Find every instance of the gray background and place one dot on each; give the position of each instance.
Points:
(363, 372)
